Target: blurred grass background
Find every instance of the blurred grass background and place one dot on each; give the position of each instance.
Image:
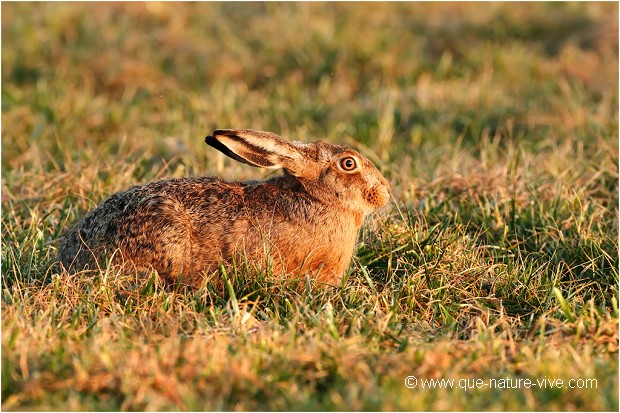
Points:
(497, 124)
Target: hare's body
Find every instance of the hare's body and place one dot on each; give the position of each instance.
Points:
(185, 228)
(156, 227)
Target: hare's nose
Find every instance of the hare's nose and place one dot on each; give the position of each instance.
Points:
(388, 186)
(383, 194)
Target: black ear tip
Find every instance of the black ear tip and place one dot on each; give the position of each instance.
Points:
(219, 132)
(210, 140)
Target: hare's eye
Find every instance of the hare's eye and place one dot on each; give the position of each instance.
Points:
(348, 163)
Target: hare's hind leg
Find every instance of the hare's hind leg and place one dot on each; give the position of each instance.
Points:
(157, 235)
(75, 253)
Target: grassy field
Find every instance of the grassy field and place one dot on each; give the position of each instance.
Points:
(497, 261)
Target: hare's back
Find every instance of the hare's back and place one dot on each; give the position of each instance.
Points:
(184, 199)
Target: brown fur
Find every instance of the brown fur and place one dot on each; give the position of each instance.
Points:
(305, 221)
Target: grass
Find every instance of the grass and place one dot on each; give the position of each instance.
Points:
(497, 125)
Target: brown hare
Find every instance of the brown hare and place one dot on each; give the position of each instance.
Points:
(305, 221)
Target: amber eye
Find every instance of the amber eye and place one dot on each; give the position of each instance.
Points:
(348, 163)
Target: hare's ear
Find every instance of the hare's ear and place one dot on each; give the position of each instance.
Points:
(256, 148)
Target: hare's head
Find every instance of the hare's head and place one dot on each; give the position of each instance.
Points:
(334, 175)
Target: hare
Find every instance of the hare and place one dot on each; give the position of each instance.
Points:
(305, 221)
